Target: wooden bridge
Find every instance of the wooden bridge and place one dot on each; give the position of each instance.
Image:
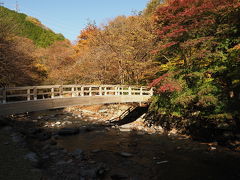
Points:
(34, 98)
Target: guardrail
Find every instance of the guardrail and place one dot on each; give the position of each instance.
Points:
(32, 93)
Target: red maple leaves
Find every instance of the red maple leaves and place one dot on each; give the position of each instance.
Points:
(166, 83)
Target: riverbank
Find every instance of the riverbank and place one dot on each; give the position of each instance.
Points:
(98, 149)
(14, 157)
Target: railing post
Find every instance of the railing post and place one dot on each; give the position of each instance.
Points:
(72, 91)
(116, 90)
(151, 91)
(35, 93)
(90, 91)
(100, 90)
(28, 95)
(141, 91)
(82, 90)
(129, 90)
(105, 91)
(4, 94)
(61, 91)
(52, 92)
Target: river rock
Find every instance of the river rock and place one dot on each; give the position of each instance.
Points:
(43, 136)
(58, 123)
(55, 137)
(87, 111)
(40, 117)
(47, 146)
(212, 148)
(53, 142)
(124, 129)
(68, 131)
(6, 143)
(17, 138)
(78, 153)
(88, 173)
(94, 172)
(162, 162)
(33, 158)
(54, 153)
(228, 135)
(61, 162)
(125, 154)
(103, 111)
(53, 115)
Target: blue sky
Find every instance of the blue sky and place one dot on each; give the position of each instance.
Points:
(70, 16)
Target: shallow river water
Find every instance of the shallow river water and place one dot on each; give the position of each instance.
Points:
(136, 155)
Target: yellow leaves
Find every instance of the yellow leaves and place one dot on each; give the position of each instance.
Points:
(119, 52)
(209, 79)
(85, 38)
(40, 67)
(171, 63)
(236, 81)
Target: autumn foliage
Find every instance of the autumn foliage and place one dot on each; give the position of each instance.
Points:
(188, 50)
(198, 44)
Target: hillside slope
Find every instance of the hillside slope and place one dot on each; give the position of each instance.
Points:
(29, 27)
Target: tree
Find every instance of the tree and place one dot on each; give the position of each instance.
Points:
(58, 60)
(198, 50)
(84, 38)
(17, 63)
(120, 51)
(152, 6)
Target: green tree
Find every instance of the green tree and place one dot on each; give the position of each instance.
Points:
(29, 27)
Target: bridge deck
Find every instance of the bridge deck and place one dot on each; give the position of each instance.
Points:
(29, 99)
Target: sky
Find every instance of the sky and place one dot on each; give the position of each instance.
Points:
(69, 17)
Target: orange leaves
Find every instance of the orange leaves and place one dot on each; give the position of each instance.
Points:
(85, 38)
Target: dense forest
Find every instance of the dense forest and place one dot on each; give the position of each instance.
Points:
(198, 88)
(189, 50)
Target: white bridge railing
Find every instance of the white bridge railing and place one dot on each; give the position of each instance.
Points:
(31, 93)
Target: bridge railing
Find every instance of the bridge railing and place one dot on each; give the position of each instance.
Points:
(31, 93)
